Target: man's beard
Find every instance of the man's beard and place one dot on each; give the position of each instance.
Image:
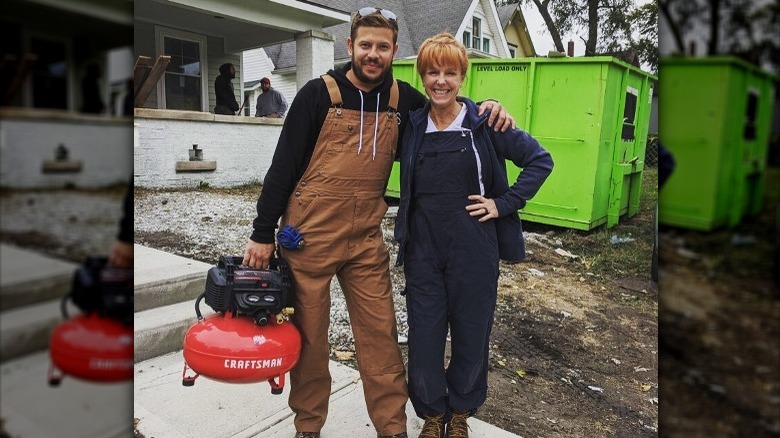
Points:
(358, 71)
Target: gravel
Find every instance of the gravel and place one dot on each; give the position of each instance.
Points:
(205, 224)
(67, 224)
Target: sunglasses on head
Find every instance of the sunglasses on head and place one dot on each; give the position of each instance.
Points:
(368, 10)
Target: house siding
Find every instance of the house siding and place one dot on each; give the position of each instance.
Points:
(491, 28)
(256, 65)
(513, 36)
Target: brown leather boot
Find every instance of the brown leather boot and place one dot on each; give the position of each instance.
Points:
(457, 427)
(307, 435)
(433, 427)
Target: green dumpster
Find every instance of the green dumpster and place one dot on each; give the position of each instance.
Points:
(716, 122)
(591, 113)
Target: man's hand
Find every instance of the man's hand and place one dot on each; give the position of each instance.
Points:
(121, 255)
(499, 118)
(258, 255)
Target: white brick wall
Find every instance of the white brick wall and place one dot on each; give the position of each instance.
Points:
(314, 55)
(102, 145)
(242, 147)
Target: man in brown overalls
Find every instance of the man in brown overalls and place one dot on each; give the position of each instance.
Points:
(327, 178)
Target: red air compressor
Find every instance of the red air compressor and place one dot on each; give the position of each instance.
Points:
(97, 345)
(250, 338)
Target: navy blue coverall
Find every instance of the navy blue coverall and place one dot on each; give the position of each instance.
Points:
(450, 259)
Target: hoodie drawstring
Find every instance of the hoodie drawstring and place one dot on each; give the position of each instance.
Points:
(376, 124)
(360, 145)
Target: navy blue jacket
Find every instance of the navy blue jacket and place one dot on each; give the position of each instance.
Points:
(493, 147)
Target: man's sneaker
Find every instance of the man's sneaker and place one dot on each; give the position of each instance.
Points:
(307, 435)
(457, 427)
(433, 427)
(398, 435)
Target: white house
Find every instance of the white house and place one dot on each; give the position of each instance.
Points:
(46, 140)
(199, 36)
(475, 22)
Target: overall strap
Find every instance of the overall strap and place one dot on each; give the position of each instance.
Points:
(333, 90)
(393, 104)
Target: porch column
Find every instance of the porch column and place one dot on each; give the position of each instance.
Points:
(314, 55)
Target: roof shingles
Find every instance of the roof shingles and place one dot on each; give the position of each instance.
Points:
(416, 22)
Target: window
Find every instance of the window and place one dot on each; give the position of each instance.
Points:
(485, 45)
(512, 51)
(476, 29)
(467, 39)
(184, 84)
(749, 132)
(182, 75)
(629, 114)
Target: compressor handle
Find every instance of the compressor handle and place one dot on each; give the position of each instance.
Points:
(197, 306)
(64, 305)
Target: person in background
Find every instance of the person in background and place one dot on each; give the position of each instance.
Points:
(223, 88)
(327, 179)
(457, 217)
(90, 88)
(127, 103)
(270, 103)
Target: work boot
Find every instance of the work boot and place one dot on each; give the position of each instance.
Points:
(433, 427)
(457, 427)
(398, 435)
(307, 435)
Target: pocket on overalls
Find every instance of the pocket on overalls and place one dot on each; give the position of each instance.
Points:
(340, 134)
(302, 207)
(388, 142)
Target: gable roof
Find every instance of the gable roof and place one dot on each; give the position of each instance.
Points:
(511, 15)
(416, 21)
(505, 13)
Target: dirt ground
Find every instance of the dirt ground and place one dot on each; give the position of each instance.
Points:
(719, 327)
(574, 352)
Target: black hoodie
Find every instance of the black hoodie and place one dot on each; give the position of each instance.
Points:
(302, 128)
(223, 89)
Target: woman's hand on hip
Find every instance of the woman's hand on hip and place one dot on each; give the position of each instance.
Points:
(483, 208)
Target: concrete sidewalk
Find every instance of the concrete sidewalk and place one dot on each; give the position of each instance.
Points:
(209, 409)
(74, 409)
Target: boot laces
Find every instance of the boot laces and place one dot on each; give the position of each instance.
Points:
(433, 427)
(458, 427)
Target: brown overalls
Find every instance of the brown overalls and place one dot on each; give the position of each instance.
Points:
(338, 206)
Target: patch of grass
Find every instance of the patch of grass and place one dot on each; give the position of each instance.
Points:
(607, 260)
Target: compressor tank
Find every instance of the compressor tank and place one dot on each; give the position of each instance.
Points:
(236, 350)
(93, 348)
